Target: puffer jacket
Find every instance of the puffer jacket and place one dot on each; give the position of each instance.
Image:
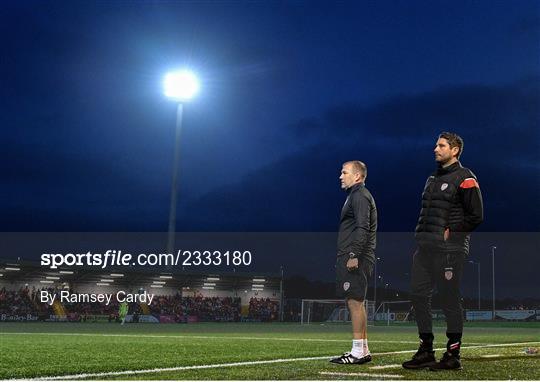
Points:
(451, 200)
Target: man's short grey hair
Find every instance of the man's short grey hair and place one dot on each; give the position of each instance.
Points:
(358, 166)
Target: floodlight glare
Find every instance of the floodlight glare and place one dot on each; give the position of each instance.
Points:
(181, 85)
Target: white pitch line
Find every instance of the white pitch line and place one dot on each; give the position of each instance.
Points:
(247, 363)
(362, 374)
(201, 337)
(490, 355)
(176, 368)
(381, 367)
(498, 345)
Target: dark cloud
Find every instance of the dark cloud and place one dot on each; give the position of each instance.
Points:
(395, 138)
(119, 187)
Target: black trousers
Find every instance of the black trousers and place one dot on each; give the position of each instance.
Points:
(443, 270)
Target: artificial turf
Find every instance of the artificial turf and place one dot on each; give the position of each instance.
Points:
(34, 350)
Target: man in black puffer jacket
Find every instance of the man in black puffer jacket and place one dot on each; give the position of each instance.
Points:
(451, 210)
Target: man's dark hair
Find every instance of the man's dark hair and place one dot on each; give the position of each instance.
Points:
(454, 140)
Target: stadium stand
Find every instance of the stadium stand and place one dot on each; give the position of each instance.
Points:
(263, 309)
(178, 296)
(218, 309)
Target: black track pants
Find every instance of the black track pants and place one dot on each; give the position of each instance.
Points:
(435, 268)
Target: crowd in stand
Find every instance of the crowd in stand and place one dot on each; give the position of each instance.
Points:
(263, 309)
(26, 301)
(22, 302)
(224, 309)
(204, 308)
(83, 310)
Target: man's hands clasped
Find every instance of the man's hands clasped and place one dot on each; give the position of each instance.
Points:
(352, 264)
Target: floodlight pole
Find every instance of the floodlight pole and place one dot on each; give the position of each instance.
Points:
(478, 264)
(174, 185)
(493, 248)
(479, 294)
(281, 296)
(375, 286)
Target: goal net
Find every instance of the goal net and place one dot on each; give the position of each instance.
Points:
(322, 311)
(394, 311)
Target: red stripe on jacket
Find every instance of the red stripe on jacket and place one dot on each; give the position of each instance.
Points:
(469, 183)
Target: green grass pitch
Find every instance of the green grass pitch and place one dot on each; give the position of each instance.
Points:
(251, 352)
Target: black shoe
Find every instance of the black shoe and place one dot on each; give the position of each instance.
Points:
(423, 358)
(348, 358)
(449, 361)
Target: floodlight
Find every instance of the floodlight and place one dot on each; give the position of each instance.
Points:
(181, 85)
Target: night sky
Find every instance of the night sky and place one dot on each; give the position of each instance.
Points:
(289, 91)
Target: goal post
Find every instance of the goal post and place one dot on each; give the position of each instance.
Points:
(330, 311)
(394, 311)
